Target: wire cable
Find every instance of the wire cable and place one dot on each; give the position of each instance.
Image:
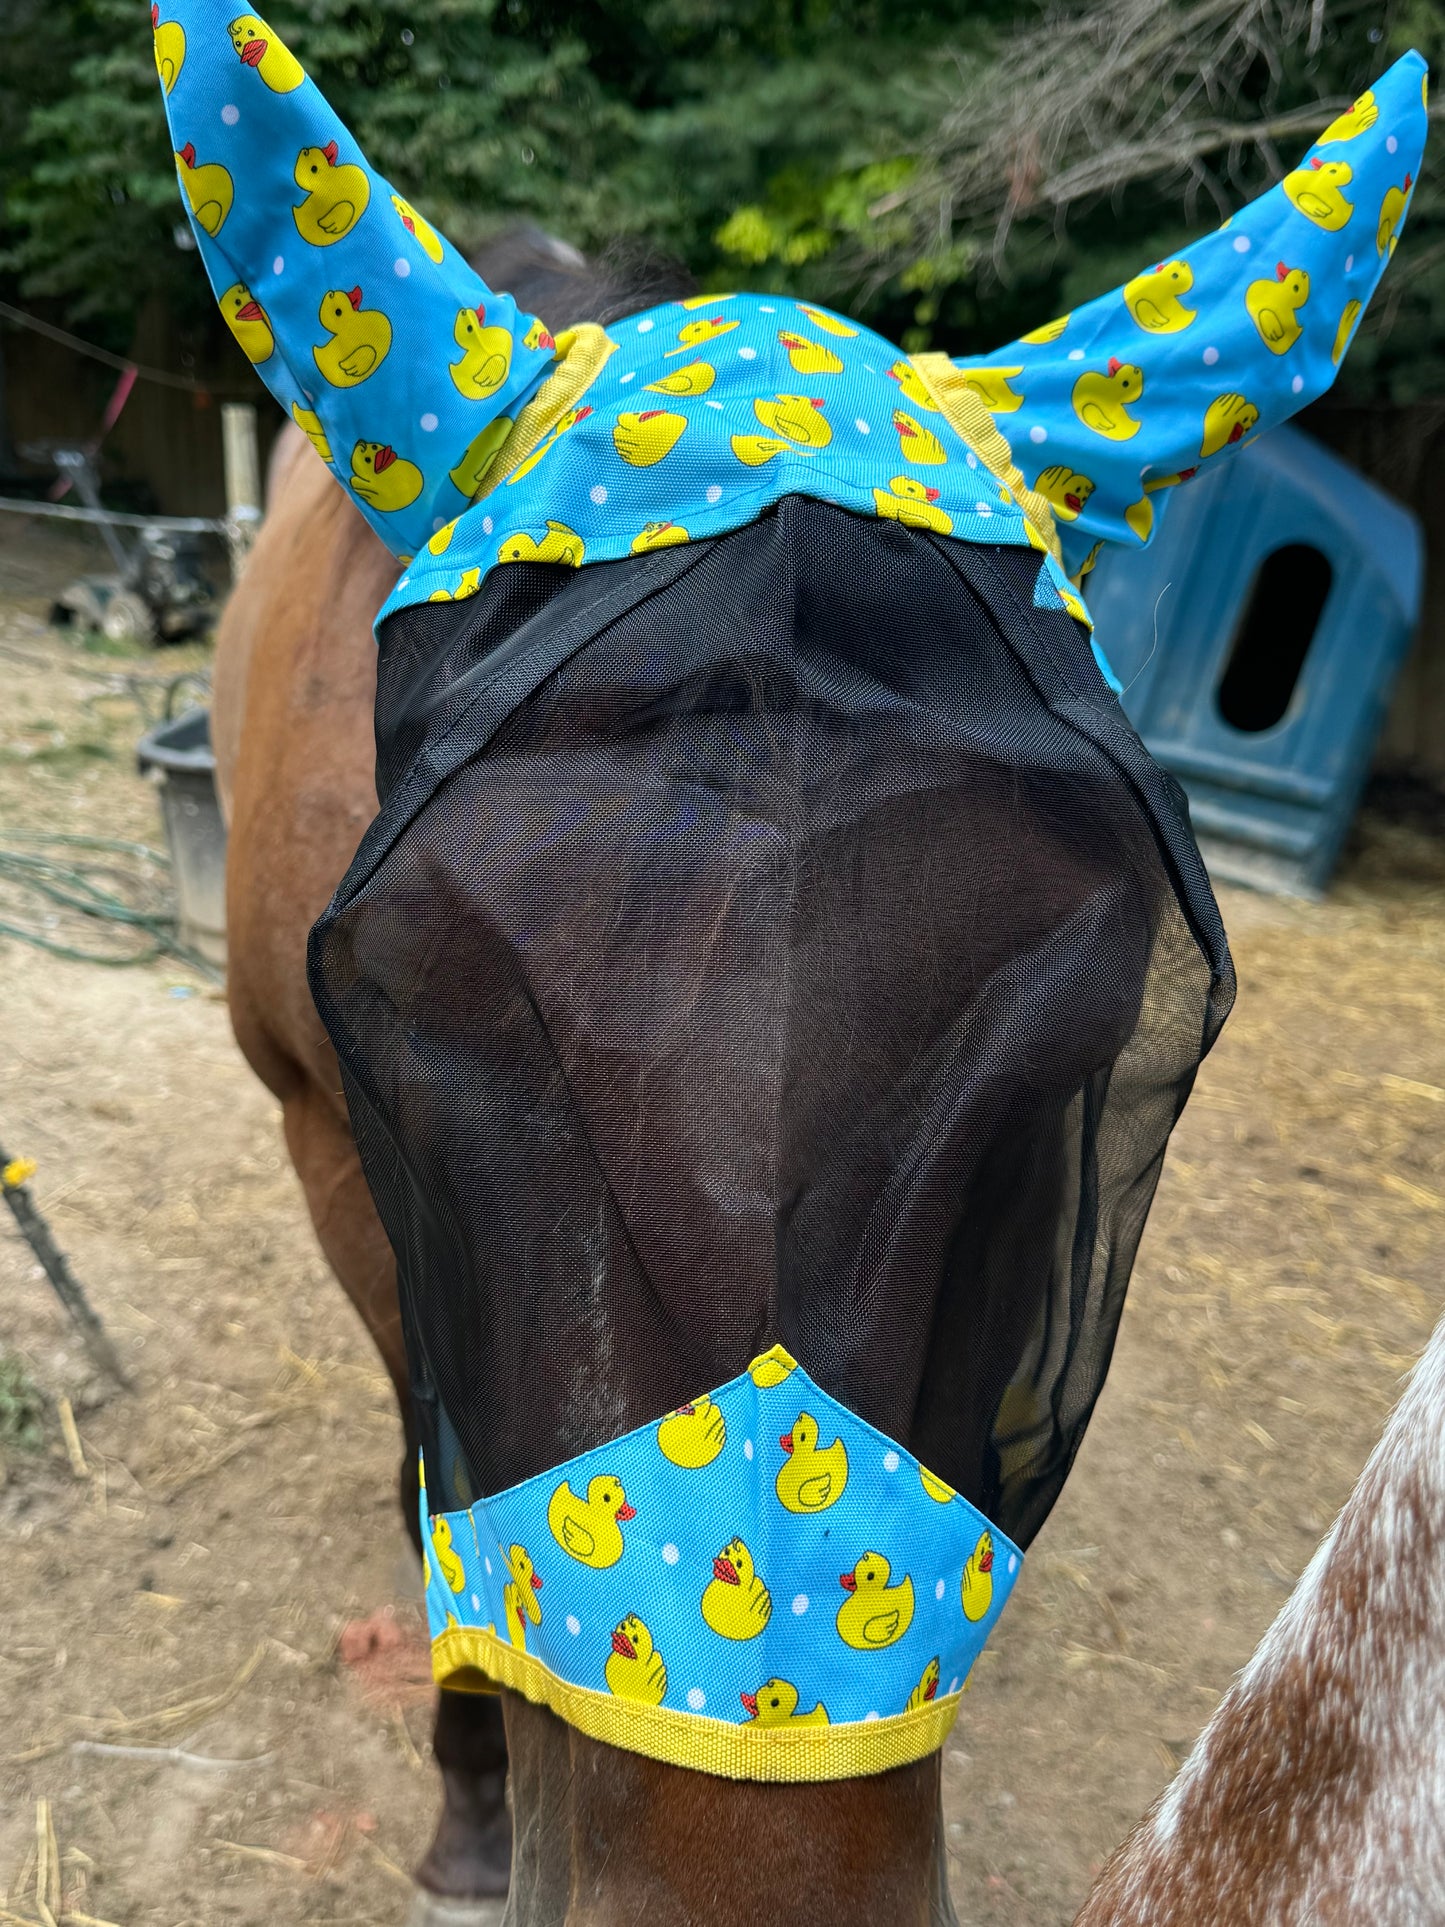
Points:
(161, 376)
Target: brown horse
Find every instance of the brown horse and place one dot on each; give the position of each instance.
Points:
(1326, 1729)
(601, 1836)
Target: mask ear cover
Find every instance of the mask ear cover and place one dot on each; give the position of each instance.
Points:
(783, 938)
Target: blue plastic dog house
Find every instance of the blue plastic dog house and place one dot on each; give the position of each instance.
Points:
(1257, 640)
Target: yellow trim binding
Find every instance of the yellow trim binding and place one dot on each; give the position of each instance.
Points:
(581, 352)
(964, 410)
(468, 1660)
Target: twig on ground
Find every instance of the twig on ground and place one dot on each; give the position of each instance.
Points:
(161, 1724)
(171, 1755)
(268, 1856)
(73, 1449)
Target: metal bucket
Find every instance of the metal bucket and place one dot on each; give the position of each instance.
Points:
(177, 756)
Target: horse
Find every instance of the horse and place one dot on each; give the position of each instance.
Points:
(1300, 1790)
(1316, 1792)
(294, 687)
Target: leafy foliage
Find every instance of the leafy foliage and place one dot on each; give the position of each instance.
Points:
(954, 171)
(22, 1407)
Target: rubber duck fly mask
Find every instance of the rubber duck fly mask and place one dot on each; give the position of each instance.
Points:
(768, 987)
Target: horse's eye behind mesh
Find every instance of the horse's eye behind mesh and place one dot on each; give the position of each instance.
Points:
(778, 939)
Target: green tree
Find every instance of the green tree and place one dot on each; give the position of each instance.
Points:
(953, 171)
(599, 117)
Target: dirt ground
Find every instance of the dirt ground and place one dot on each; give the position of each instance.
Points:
(222, 1697)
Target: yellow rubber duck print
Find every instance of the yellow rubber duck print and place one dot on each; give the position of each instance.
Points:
(820, 318)
(1050, 331)
(775, 1703)
(481, 453)
(439, 543)
(549, 441)
(797, 418)
(907, 500)
(772, 1367)
(537, 336)
(1064, 489)
(875, 1614)
(809, 357)
(169, 37)
(1139, 519)
(978, 1579)
(642, 440)
(422, 232)
(309, 422)
(1392, 212)
(693, 378)
(1227, 420)
(559, 544)
(635, 1669)
(519, 1597)
(911, 384)
(693, 333)
(694, 1434)
(704, 300)
(590, 1530)
(658, 535)
(208, 188)
(486, 355)
(468, 584)
(1349, 315)
(736, 1603)
(991, 385)
(1101, 401)
(917, 443)
(336, 194)
(1272, 307)
(1315, 190)
(812, 1477)
(1153, 484)
(757, 449)
(935, 1487)
(1357, 120)
(1154, 299)
(260, 48)
(382, 478)
(1075, 606)
(360, 338)
(248, 322)
(449, 1563)
(926, 1690)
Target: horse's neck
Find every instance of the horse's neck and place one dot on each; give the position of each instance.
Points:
(604, 1838)
(1317, 1791)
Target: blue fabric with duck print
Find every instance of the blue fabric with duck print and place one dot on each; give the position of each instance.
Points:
(760, 1557)
(1113, 405)
(425, 390)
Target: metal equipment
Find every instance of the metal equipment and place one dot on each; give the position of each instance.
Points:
(158, 591)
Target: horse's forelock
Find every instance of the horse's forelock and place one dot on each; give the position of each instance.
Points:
(551, 279)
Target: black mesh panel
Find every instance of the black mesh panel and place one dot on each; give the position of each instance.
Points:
(784, 939)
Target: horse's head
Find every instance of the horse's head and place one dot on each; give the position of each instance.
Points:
(759, 944)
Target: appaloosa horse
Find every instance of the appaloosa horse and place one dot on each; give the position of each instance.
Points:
(1315, 1794)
